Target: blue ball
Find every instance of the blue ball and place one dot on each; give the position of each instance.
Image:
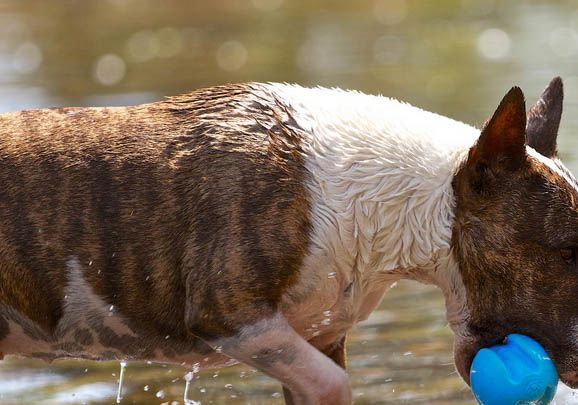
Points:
(519, 372)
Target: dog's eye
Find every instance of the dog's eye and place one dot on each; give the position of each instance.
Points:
(568, 255)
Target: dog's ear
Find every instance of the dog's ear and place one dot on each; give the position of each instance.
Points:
(544, 119)
(503, 136)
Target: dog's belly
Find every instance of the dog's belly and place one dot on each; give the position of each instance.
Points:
(91, 328)
(101, 338)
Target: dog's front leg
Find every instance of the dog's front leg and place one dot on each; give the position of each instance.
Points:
(335, 352)
(274, 347)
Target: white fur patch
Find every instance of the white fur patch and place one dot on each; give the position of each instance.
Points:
(381, 196)
(81, 303)
(381, 175)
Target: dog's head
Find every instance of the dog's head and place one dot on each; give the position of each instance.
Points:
(516, 235)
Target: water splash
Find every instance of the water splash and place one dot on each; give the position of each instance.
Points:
(188, 378)
(120, 379)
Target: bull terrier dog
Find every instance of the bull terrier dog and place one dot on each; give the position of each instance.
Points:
(257, 223)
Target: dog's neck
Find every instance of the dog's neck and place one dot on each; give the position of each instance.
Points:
(381, 181)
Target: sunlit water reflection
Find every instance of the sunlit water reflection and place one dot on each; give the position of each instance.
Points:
(454, 57)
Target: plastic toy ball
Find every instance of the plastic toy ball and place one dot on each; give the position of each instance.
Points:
(519, 372)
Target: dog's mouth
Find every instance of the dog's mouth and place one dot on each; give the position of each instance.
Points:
(465, 350)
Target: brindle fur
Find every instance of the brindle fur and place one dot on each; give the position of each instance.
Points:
(513, 216)
(159, 204)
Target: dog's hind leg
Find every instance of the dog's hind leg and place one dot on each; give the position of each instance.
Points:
(275, 348)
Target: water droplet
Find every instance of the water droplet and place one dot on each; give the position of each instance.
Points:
(327, 313)
(229, 386)
(188, 377)
(160, 394)
(331, 275)
(146, 388)
(276, 395)
(326, 322)
(120, 380)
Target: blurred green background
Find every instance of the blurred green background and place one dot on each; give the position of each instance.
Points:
(453, 57)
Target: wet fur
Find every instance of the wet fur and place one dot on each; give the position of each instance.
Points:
(158, 206)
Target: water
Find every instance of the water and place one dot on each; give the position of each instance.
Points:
(188, 378)
(120, 382)
(454, 57)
